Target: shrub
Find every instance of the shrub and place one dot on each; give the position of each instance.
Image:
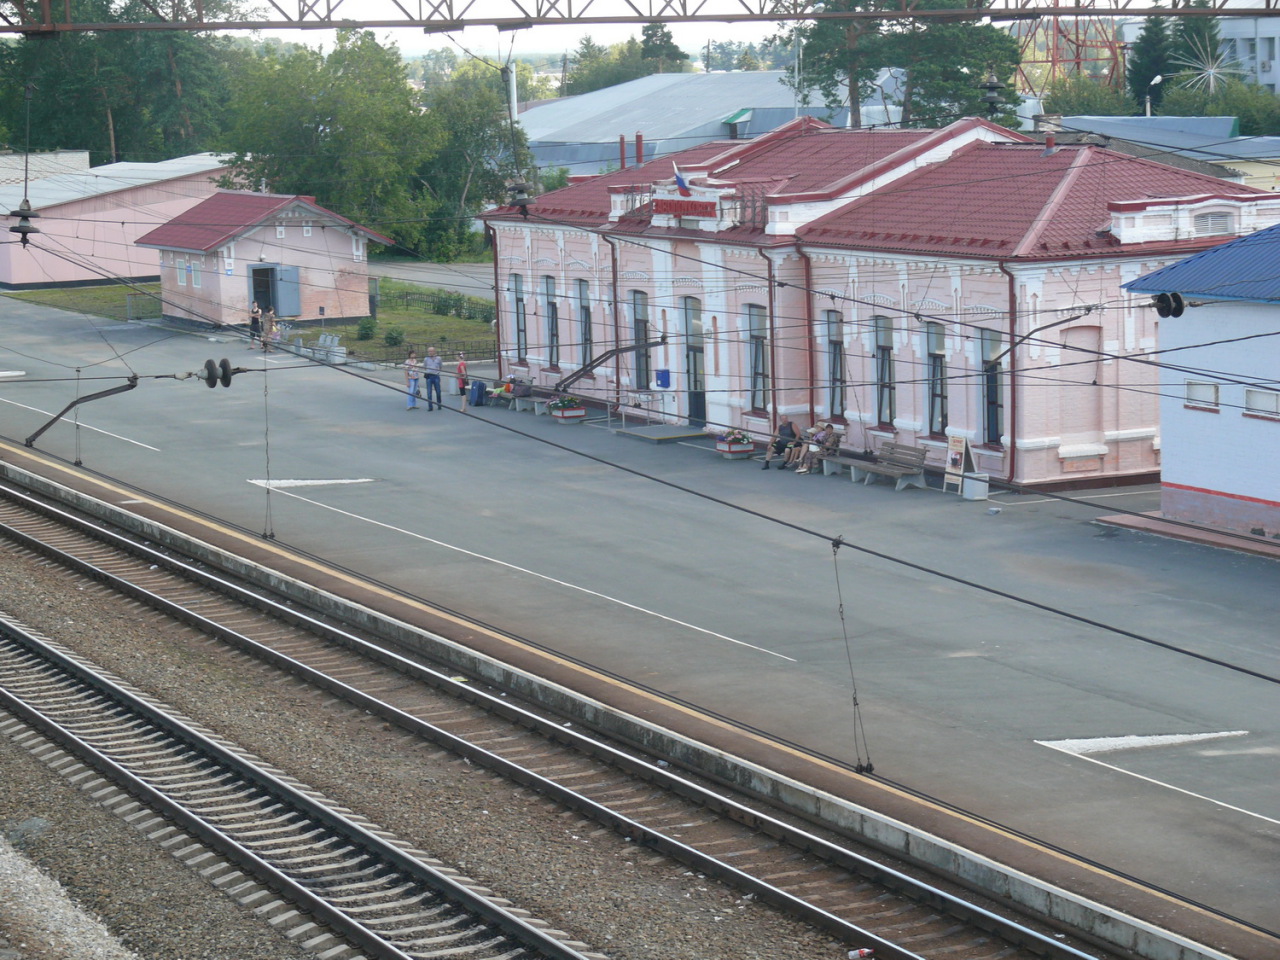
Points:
(393, 337)
(368, 326)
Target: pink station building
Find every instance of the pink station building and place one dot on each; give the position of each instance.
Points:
(909, 285)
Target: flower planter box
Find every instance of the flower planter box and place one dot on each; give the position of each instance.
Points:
(570, 414)
(735, 451)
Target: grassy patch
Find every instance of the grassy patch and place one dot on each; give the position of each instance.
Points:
(419, 326)
(109, 301)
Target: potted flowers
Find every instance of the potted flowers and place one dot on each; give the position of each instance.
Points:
(735, 445)
(566, 409)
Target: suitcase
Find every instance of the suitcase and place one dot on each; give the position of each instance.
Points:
(476, 393)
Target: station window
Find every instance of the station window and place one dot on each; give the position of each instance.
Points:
(551, 312)
(1262, 403)
(833, 320)
(758, 355)
(1201, 395)
(936, 335)
(886, 400)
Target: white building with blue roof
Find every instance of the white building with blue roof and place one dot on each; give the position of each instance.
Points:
(1220, 385)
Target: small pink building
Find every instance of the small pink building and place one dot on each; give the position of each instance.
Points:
(285, 252)
(89, 219)
(910, 285)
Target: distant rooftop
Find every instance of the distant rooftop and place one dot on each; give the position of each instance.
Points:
(109, 178)
(673, 111)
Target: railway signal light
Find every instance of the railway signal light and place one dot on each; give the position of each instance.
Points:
(220, 372)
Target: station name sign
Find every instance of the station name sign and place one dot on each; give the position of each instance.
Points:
(685, 208)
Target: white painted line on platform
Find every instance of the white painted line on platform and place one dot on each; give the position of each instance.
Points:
(10, 374)
(1171, 738)
(1134, 742)
(279, 484)
(534, 573)
(85, 426)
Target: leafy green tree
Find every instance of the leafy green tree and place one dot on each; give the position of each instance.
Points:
(136, 95)
(841, 57)
(1257, 108)
(622, 62)
(478, 152)
(343, 128)
(1150, 57)
(942, 60)
(1082, 96)
(747, 61)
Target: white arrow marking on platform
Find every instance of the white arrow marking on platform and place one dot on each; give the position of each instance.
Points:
(1106, 744)
(1082, 749)
(276, 484)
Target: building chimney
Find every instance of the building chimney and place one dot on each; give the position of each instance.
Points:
(639, 148)
(1050, 144)
(622, 151)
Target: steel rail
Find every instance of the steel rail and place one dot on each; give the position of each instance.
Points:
(915, 890)
(369, 843)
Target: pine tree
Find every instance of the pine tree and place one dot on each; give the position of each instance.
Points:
(1150, 58)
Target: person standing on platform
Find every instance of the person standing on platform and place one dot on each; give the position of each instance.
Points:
(268, 329)
(463, 381)
(412, 371)
(255, 324)
(431, 370)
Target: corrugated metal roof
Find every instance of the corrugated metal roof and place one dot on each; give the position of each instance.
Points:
(1243, 269)
(672, 111)
(108, 178)
(228, 214)
(1213, 147)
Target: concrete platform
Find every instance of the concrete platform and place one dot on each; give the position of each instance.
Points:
(706, 595)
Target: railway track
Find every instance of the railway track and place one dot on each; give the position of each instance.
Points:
(843, 892)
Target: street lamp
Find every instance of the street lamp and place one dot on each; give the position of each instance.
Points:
(1157, 79)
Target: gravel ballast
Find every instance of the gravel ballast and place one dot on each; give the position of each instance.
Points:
(622, 901)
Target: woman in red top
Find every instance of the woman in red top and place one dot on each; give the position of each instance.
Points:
(462, 379)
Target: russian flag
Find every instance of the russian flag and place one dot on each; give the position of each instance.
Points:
(681, 186)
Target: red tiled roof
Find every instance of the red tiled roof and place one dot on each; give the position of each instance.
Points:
(797, 158)
(1007, 200)
(227, 214)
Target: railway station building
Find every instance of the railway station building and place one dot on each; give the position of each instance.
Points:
(284, 251)
(908, 285)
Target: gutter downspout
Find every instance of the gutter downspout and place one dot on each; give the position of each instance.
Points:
(813, 337)
(497, 294)
(1013, 366)
(617, 341)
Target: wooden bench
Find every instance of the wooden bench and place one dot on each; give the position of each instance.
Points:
(837, 462)
(899, 461)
